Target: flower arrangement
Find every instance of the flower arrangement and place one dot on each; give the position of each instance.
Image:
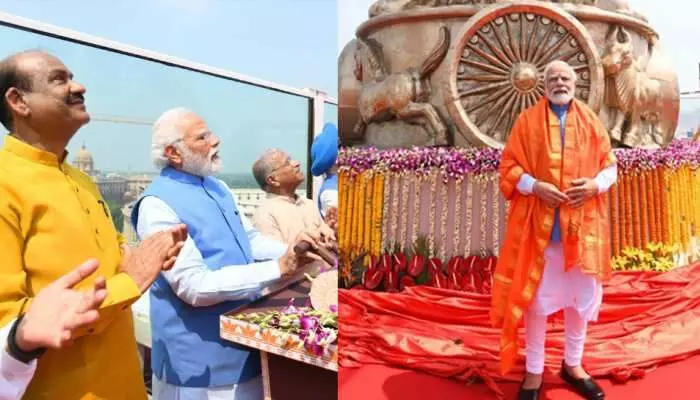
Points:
(317, 328)
(385, 191)
(654, 257)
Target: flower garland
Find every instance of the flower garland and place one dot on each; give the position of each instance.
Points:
(343, 210)
(431, 225)
(444, 205)
(468, 222)
(377, 214)
(403, 231)
(385, 213)
(415, 218)
(483, 193)
(496, 213)
(457, 216)
(655, 200)
(367, 202)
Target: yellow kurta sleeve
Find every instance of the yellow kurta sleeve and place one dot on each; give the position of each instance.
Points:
(13, 280)
(15, 295)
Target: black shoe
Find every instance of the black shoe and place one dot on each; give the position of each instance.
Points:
(588, 388)
(529, 394)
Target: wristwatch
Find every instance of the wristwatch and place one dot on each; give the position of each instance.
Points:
(14, 350)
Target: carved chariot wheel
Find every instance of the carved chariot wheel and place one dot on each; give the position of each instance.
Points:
(497, 67)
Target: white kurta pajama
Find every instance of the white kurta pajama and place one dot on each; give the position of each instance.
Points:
(579, 295)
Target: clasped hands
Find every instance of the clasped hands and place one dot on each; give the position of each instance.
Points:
(582, 189)
(292, 259)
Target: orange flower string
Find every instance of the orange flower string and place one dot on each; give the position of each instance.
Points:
(651, 193)
(643, 209)
(614, 219)
(629, 230)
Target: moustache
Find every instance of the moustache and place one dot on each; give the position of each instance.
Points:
(75, 99)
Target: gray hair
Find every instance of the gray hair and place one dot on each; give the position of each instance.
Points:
(166, 132)
(262, 168)
(559, 63)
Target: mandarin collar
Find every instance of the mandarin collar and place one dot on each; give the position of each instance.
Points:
(283, 198)
(31, 153)
(181, 176)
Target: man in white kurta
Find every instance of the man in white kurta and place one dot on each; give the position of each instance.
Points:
(193, 360)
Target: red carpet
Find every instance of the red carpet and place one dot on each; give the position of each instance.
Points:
(649, 324)
(675, 381)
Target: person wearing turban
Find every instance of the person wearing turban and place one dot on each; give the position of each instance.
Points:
(324, 153)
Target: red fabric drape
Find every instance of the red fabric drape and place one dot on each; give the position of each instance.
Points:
(647, 319)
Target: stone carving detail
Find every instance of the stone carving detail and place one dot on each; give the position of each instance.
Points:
(402, 95)
(636, 99)
(499, 66)
(383, 7)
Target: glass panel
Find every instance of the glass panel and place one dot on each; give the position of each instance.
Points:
(330, 113)
(125, 95)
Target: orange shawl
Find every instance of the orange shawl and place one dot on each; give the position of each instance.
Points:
(534, 147)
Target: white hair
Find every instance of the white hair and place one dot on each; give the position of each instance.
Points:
(166, 132)
(262, 167)
(559, 63)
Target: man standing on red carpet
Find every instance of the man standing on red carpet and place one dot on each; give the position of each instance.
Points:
(556, 166)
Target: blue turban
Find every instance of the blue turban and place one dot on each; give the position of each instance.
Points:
(324, 150)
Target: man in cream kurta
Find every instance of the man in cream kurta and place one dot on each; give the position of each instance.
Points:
(52, 217)
(283, 214)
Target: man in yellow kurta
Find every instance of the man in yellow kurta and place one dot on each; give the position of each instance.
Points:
(556, 166)
(53, 217)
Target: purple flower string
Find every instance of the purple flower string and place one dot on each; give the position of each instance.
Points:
(456, 163)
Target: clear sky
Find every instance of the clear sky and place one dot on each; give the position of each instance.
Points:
(676, 21)
(291, 42)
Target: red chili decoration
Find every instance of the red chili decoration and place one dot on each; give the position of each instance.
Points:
(417, 265)
(477, 275)
(372, 278)
(399, 262)
(439, 280)
(435, 265)
(406, 281)
(392, 281)
(466, 269)
(385, 262)
(453, 275)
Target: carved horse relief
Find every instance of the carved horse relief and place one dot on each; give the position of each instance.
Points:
(636, 99)
(402, 95)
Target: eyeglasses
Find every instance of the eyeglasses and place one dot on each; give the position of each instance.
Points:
(286, 163)
(205, 136)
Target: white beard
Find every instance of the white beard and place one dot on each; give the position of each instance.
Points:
(560, 99)
(198, 165)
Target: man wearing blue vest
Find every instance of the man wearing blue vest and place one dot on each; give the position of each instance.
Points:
(223, 264)
(324, 152)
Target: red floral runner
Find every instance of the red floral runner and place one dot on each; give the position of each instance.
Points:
(647, 319)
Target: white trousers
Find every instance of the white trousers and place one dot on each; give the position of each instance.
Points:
(536, 333)
(248, 390)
